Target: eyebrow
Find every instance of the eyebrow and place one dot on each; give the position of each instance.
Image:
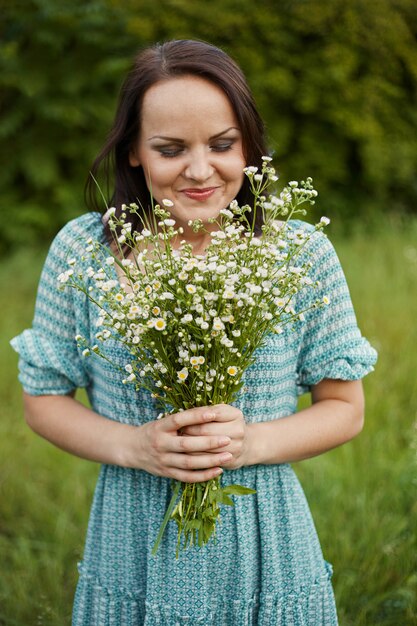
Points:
(223, 132)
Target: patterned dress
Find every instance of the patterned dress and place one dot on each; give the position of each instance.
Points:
(267, 567)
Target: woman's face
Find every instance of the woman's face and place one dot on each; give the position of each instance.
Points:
(190, 148)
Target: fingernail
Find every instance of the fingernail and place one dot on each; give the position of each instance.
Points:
(224, 440)
(225, 457)
(209, 415)
(218, 471)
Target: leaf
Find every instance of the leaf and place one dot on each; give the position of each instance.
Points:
(213, 496)
(208, 512)
(238, 490)
(206, 532)
(227, 500)
(194, 523)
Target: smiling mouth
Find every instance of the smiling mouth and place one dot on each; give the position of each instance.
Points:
(199, 194)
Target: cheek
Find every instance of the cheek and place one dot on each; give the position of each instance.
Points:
(236, 173)
(160, 175)
(238, 176)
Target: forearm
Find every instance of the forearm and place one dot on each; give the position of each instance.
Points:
(155, 446)
(71, 426)
(328, 423)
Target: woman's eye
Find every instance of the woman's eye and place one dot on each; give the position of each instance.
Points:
(169, 152)
(222, 147)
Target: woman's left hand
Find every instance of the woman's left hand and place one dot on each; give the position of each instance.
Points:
(229, 422)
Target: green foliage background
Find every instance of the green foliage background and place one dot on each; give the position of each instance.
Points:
(336, 82)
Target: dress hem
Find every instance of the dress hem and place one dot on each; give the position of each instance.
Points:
(98, 605)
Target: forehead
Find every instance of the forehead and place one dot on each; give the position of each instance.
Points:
(186, 101)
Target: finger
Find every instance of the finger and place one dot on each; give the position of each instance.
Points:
(226, 412)
(223, 413)
(206, 430)
(195, 476)
(200, 444)
(196, 462)
(215, 450)
(197, 430)
(200, 415)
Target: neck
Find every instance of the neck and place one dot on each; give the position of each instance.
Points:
(199, 241)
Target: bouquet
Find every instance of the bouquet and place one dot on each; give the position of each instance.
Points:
(191, 324)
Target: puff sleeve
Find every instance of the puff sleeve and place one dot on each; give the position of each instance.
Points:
(50, 362)
(331, 344)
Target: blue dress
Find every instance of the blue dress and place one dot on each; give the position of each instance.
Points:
(267, 567)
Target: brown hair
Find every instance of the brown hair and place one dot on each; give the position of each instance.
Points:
(156, 63)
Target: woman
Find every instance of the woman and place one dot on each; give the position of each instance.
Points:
(185, 128)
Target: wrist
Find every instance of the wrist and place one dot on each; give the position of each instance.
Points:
(255, 445)
(263, 448)
(128, 447)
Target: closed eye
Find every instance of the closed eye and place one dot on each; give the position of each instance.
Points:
(222, 146)
(170, 152)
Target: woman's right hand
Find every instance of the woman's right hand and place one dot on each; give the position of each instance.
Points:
(162, 450)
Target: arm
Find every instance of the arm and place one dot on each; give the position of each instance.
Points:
(335, 417)
(155, 447)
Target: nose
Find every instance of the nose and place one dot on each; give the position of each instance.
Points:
(199, 167)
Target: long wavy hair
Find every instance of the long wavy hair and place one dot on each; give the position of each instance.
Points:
(124, 183)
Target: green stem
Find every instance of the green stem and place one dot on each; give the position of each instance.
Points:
(167, 517)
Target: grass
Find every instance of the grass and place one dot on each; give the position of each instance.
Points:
(362, 495)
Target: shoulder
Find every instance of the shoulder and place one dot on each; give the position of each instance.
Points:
(307, 229)
(81, 228)
(317, 243)
(72, 238)
(318, 252)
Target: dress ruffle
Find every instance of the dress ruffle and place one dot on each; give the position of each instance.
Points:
(118, 607)
(337, 369)
(48, 365)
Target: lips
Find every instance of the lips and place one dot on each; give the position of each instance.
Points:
(199, 194)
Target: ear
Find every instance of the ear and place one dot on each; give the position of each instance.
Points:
(133, 158)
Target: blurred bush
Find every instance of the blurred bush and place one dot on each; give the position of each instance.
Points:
(336, 82)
